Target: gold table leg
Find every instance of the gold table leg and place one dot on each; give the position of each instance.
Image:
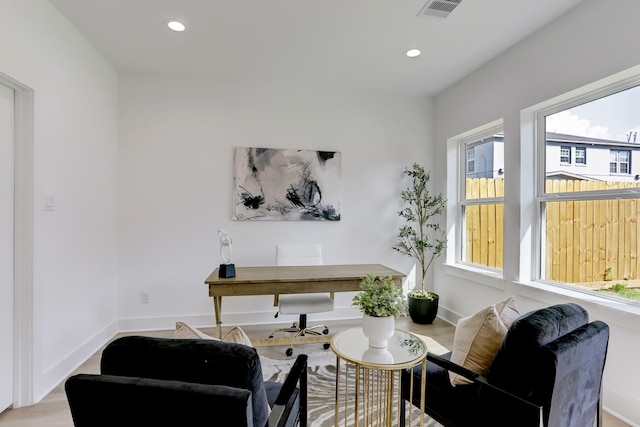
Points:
(337, 405)
(373, 392)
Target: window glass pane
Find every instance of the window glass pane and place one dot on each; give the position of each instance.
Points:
(471, 152)
(605, 131)
(593, 244)
(592, 241)
(613, 167)
(624, 156)
(485, 161)
(470, 166)
(483, 235)
(624, 167)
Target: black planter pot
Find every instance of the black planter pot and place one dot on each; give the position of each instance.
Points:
(423, 311)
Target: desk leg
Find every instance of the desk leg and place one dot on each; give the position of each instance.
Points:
(217, 308)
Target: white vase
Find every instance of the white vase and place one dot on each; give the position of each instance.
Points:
(378, 330)
(380, 356)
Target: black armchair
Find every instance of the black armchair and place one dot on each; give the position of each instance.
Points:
(186, 382)
(547, 372)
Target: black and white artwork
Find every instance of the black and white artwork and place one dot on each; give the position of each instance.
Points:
(286, 184)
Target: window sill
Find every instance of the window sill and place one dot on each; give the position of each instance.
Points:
(626, 314)
(478, 275)
(618, 311)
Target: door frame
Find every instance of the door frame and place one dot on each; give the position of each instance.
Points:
(23, 242)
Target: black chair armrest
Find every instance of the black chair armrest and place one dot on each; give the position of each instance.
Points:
(530, 415)
(297, 374)
(450, 366)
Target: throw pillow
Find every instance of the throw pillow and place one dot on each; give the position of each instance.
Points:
(238, 336)
(235, 335)
(187, 331)
(476, 340)
(508, 311)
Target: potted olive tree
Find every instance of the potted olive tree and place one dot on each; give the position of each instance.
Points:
(422, 238)
(380, 301)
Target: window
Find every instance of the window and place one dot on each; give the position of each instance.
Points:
(470, 160)
(588, 229)
(619, 161)
(481, 206)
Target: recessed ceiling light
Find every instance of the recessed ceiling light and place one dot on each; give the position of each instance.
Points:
(176, 26)
(413, 53)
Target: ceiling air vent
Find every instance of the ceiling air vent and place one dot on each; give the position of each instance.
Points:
(439, 8)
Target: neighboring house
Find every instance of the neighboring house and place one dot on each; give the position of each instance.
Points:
(568, 157)
(485, 157)
(578, 157)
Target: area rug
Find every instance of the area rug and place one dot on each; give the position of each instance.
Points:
(321, 386)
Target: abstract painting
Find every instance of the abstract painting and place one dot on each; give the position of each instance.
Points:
(286, 184)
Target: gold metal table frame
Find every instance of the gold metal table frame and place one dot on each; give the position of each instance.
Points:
(368, 389)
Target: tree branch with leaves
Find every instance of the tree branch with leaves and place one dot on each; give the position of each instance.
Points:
(421, 237)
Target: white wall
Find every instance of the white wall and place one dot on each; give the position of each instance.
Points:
(594, 40)
(75, 150)
(173, 178)
(173, 173)
(175, 186)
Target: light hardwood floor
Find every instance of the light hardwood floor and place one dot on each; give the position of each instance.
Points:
(53, 410)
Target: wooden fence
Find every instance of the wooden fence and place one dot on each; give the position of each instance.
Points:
(586, 241)
(484, 236)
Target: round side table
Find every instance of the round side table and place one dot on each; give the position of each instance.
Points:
(368, 390)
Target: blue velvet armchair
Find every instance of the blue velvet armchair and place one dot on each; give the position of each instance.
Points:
(547, 372)
(186, 382)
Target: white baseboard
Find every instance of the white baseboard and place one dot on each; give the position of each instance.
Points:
(448, 315)
(56, 374)
(228, 319)
(617, 403)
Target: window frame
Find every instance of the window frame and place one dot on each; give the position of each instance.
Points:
(584, 157)
(472, 161)
(460, 142)
(619, 163)
(534, 143)
(567, 148)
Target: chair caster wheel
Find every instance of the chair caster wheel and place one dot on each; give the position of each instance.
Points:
(326, 346)
(289, 352)
(326, 331)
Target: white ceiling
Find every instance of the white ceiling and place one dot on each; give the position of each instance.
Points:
(340, 43)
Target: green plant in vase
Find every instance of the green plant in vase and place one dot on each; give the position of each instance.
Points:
(380, 297)
(381, 301)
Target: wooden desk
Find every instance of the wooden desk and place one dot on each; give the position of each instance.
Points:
(275, 280)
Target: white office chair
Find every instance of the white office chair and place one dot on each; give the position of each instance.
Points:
(302, 304)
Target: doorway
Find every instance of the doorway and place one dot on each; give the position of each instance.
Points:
(16, 250)
(7, 119)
